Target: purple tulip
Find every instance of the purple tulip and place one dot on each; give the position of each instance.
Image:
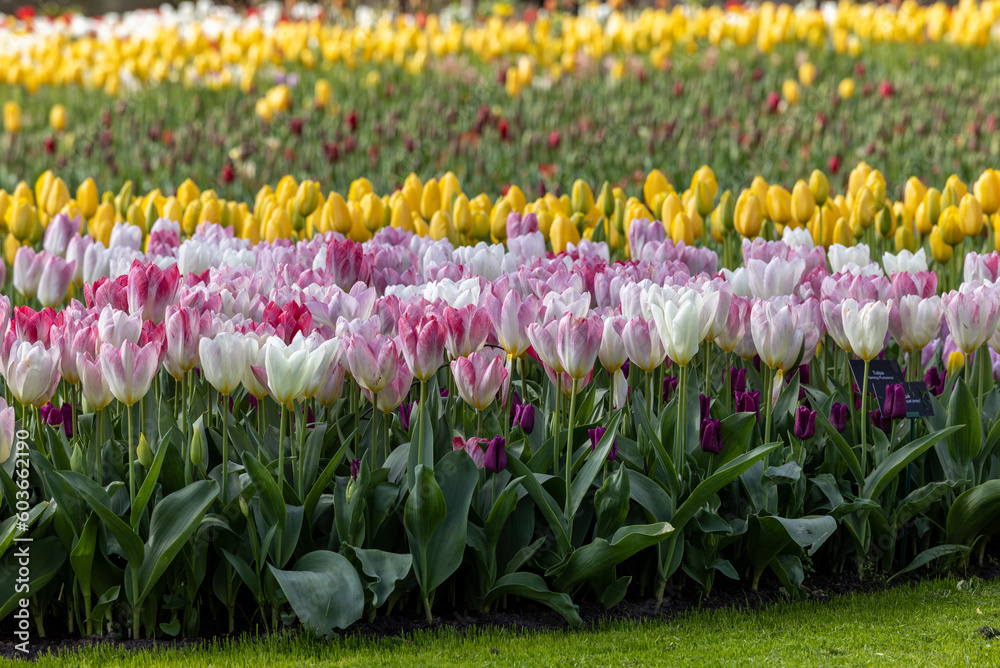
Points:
(805, 423)
(625, 367)
(596, 434)
(51, 415)
(894, 405)
(705, 404)
(669, 385)
(748, 402)
(838, 417)
(444, 392)
(934, 380)
(737, 380)
(405, 410)
(515, 401)
(711, 435)
(355, 468)
(856, 393)
(252, 402)
(67, 419)
(880, 420)
(525, 418)
(496, 455)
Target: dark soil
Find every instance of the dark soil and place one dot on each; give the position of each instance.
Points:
(527, 616)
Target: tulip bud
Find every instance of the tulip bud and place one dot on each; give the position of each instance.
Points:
(913, 194)
(582, 199)
(669, 209)
(189, 221)
(10, 247)
(940, 251)
(461, 213)
(197, 448)
(885, 221)
(805, 423)
(703, 202)
(957, 186)
(905, 240)
(287, 187)
(948, 198)
(498, 220)
(322, 92)
(864, 207)
(656, 185)
(950, 226)
(819, 187)
(618, 219)
(838, 416)
(956, 361)
(727, 211)
(779, 205)
(244, 510)
(515, 197)
(187, 192)
(11, 118)
(607, 199)
(681, 229)
(803, 203)
(135, 216)
(401, 216)
(749, 217)
(307, 198)
(970, 216)
(440, 222)
(842, 233)
(371, 212)
(77, 461)
(876, 184)
(563, 232)
(759, 188)
(987, 190)
(430, 201)
(23, 217)
(57, 117)
(56, 197)
(144, 453)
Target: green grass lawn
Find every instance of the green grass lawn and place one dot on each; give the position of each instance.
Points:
(934, 623)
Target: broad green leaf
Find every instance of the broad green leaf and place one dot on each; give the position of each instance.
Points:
(103, 603)
(312, 498)
(589, 560)
(975, 513)
(324, 590)
(146, 490)
(245, 572)
(47, 556)
(385, 569)
(546, 504)
(425, 511)
(845, 451)
(964, 442)
(930, 555)
(532, 586)
(888, 470)
(426, 416)
(99, 502)
(174, 520)
(82, 556)
(501, 510)
(595, 460)
(774, 534)
(272, 502)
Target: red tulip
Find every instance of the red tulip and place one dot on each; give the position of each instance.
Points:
(151, 290)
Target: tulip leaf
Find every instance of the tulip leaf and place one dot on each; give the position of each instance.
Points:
(501, 510)
(174, 520)
(385, 569)
(845, 451)
(887, 471)
(639, 406)
(965, 442)
(930, 555)
(651, 496)
(324, 590)
(590, 560)
(97, 498)
(919, 499)
(245, 572)
(426, 416)
(149, 484)
(321, 482)
(546, 504)
(272, 502)
(47, 558)
(82, 556)
(596, 459)
(772, 535)
(532, 586)
(425, 511)
(974, 513)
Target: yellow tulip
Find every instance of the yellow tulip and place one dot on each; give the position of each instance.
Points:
(970, 216)
(86, 198)
(803, 203)
(563, 232)
(905, 240)
(759, 188)
(864, 207)
(172, 210)
(819, 186)
(845, 89)
(790, 91)
(461, 214)
(322, 93)
(958, 186)
(211, 212)
(187, 192)
(707, 176)
(727, 211)
(807, 73)
(450, 189)
(779, 204)
(913, 194)
(340, 215)
(669, 209)
(682, 229)
(359, 188)
(57, 117)
(10, 246)
(703, 202)
(582, 198)
(306, 198)
(940, 251)
(956, 360)
(23, 218)
(189, 221)
(430, 201)
(749, 218)
(498, 220)
(11, 117)
(842, 233)
(57, 197)
(949, 197)
(516, 199)
(655, 186)
(950, 226)
(372, 211)
(987, 190)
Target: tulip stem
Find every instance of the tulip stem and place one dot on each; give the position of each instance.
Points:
(708, 369)
(864, 431)
(768, 387)
(569, 453)
(983, 366)
(281, 450)
(374, 428)
(524, 391)
(420, 422)
(300, 482)
(131, 460)
(225, 465)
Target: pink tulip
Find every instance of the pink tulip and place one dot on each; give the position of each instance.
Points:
(6, 430)
(578, 341)
(914, 321)
(972, 312)
(777, 334)
(643, 344)
(474, 447)
(737, 322)
(920, 283)
(543, 342)
(95, 388)
(392, 395)
(612, 352)
(511, 318)
(129, 371)
(72, 339)
(373, 362)
(28, 267)
(833, 317)
(32, 372)
(478, 379)
(468, 328)
(984, 267)
(333, 387)
(32, 326)
(184, 329)
(345, 263)
(60, 231)
(422, 341)
(56, 276)
(105, 292)
(151, 290)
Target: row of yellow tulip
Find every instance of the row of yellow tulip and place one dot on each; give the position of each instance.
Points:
(438, 208)
(233, 51)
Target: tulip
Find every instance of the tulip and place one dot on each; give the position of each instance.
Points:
(987, 191)
(28, 268)
(183, 330)
(711, 436)
(838, 417)
(777, 333)
(151, 290)
(865, 326)
(972, 313)
(373, 362)
(543, 340)
(683, 322)
(775, 278)
(478, 379)
(596, 435)
(914, 322)
(669, 386)
(467, 329)
(894, 405)
(578, 341)
(472, 447)
(643, 344)
(495, 459)
(524, 417)
(129, 370)
(392, 395)
(422, 341)
(7, 424)
(748, 402)
(32, 372)
(61, 230)
(54, 281)
(511, 322)
(96, 389)
(805, 423)
(905, 261)
(222, 360)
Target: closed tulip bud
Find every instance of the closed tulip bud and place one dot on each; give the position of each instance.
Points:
(803, 204)
(56, 197)
(461, 214)
(135, 216)
(885, 221)
(515, 197)
(144, 453)
(77, 461)
(563, 232)
(198, 447)
(306, 198)
(244, 509)
(864, 207)
(172, 210)
(656, 185)
(681, 229)
(718, 231)
(958, 186)
(498, 220)
(581, 199)
(11, 118)
(842, 233)
(932, 205)
(759, 187)
(372, 212)
(905, 240)
(948, 198)
(401, 216)
(748, 218)
(10, 247)
(727, 211)
(439, 225)
(940, 251)
(23, 217)
(22, 191)
(838, 416)
(805, 423)
(970, 216)
(819, 187)
(618, 220)
(779, 204)
(57, 117)
(987, 190)
(876, 183)
(790, 91)
(956, 361)
(187, 192)
(703, 201)
(322, 92)
(913, 194)
(189, 222)
(707, 176)
(950, 226)
(430, 201)
(340, 215)
(149, 211)
(607, 199)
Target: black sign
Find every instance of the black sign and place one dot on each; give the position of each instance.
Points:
(918, 399)
(881, 373)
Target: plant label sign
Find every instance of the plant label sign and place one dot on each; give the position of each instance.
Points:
(881, 373)
(918, 401)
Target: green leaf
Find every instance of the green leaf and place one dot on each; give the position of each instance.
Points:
(975, 513)
(146, 490)
(324, 590)
(174, 520)
(385, 569)
(272, 502)
(966, 438)
(82, 556)
(425, 511)
(501, 510)
(930, 555)
(774, 534)
(845, 451)
(103, 603)
(589, 560)
(595, 460)
(532, 586)
(889, 469)
(246, 573)
(316, 491)
(47, 555)
(426, 415)
(546, 504)
(99, 502)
